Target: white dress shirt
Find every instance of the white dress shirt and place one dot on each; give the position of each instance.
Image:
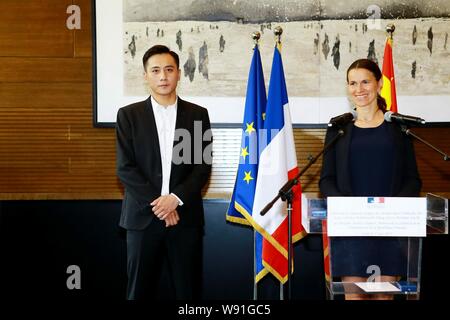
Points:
(165, 118)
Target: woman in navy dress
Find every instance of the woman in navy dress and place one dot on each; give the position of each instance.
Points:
(373, 158)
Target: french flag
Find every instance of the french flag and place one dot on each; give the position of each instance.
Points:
(277, 164)
(375, 200)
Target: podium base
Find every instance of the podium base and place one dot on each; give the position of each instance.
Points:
(398, 288)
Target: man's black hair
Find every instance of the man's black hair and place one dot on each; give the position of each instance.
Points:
(158, 49)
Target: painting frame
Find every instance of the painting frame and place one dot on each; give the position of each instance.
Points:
(225, 112)
(105, 89)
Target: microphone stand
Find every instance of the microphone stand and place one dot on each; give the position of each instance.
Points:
(286, 194)
(408, 132)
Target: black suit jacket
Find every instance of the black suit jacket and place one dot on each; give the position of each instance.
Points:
(139, 162)
(335, 175)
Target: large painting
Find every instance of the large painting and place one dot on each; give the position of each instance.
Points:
(320, 40)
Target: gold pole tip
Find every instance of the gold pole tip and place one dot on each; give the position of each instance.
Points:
(256, 36)
(278, 31)
(390, 28)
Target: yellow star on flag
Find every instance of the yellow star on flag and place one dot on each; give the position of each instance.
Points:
(264, 116)
(244, 152)
(248, 176)
(250, 128)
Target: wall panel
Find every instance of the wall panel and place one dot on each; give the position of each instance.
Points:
(35, 28)
(49, 148)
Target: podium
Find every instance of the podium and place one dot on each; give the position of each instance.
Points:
(358, 254)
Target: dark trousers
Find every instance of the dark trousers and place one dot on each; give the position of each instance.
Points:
(146, 251)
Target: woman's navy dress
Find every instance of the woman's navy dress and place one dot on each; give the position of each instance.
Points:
(370, 159)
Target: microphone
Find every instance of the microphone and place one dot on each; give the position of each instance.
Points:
(390, 116)
(341, 120)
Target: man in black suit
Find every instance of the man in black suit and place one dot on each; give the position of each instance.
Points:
(163, 160)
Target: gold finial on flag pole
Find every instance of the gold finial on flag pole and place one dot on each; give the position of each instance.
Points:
(256, 36)
(278, 31)
(390, 28)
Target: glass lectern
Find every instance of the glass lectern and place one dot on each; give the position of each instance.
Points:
(373, 256)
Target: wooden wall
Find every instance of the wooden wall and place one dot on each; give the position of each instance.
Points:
(49, 148)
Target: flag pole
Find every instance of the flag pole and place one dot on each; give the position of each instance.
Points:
(390, 28)
(278, 31)
(255, 285)
(255, 36)
(388, 91)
